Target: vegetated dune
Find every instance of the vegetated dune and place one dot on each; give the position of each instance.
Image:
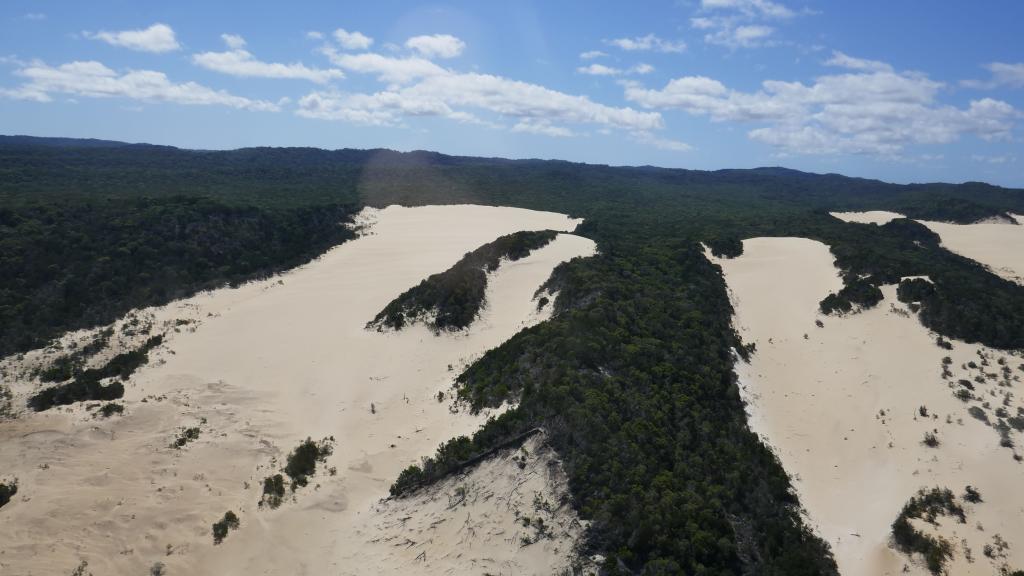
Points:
(997, 244)
(252, 372)
(847, 406)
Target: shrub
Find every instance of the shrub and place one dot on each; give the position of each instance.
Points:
(185, 436)
(109, 409)
(273, 491)
(220, 528)
(972, 495)
(302, 461)
(931, 440)
(7, 491)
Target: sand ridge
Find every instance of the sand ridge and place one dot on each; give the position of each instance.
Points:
(257, 369)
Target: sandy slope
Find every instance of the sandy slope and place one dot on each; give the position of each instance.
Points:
(840, 405)
(257, 369)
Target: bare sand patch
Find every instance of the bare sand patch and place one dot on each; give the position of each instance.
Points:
(257, 369)
(869, 217)
(841, 405)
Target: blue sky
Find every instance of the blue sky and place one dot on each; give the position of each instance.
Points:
(903, 91)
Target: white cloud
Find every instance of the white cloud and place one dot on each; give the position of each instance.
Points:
(93, 79)
(387, 68)
(156, 38)
(745, 36)
(740, 23)
(650, 42)
(34, 16)
(1003, 74)
(436, 45)
(449, 94)
(352, 40)
(238, 62)
(751, 8)
(542, 127)
(233, 41)
(591, 54)
(599, 70)
(841, 60)
(868, 111)
(602, 70)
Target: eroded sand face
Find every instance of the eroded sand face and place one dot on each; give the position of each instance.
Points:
(259, 369)
(841, 408)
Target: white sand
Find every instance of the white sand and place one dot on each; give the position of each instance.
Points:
(818, 402)
(870, 217)
(998, 245)
(267, 365)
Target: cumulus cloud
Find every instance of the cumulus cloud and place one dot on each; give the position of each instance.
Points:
(873, 110)
(239, 62)
(650, 42)
(591, 54)
(436, 45)
(94, 80)
(651, 139)
(352, 40)
(1003, 74)
(156, 38)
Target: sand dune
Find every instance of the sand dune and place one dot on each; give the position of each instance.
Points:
(841, 406)
(257, 369)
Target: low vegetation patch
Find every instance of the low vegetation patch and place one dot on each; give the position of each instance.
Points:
(452, 299)
(7, 491)
(859, 292)
(300, 465)
(927, 505)
(109, 409)
(185, 436)
(86, 385)
(221, 527)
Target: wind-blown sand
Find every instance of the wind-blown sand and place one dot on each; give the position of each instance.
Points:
(840, 406)
(258, 369)
(997, 244)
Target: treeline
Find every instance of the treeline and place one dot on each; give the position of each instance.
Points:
(66, 266)
(452, 299)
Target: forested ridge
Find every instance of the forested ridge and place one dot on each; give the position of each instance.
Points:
(632, 377)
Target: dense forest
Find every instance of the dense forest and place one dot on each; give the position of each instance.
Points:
(632, 377)
(451, 300)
